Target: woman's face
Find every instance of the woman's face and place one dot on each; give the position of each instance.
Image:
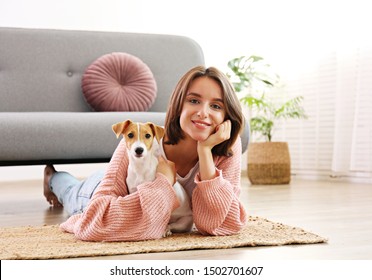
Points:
(203, 109)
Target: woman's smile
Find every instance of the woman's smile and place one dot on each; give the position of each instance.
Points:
(201, 124)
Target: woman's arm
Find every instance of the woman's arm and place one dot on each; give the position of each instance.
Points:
(216, 206)
(206, 164)
(113, 215)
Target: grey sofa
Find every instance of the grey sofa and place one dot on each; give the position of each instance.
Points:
(44, 117)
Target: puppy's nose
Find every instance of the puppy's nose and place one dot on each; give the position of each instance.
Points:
(139, 151)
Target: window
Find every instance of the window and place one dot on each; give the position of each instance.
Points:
(336, 140)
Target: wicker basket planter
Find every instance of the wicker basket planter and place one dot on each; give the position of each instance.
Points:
(269, 163)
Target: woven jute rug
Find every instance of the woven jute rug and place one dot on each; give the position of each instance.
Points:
(49, 242)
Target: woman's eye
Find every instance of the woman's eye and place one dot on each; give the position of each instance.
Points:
(216, 106)
(194, 101)
(130, 135)
(147, 135)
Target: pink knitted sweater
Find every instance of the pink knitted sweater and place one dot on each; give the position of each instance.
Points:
(113, 215)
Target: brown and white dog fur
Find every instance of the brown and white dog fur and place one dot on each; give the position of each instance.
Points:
(142, 141)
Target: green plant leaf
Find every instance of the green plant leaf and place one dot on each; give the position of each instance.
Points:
(255, 77)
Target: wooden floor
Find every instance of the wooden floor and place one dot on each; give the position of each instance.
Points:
(341, 212)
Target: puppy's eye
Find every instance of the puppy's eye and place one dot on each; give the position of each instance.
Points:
(130, 135)
(147, 135)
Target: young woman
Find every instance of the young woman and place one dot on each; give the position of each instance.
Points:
(201, 149)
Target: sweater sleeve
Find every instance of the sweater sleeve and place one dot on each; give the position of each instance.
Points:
(114, 215)
(217, 209)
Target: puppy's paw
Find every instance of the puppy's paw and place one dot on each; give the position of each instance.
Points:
(167, 232)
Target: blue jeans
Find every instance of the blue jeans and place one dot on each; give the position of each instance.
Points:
(72, 193)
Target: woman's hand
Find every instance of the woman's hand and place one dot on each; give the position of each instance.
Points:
(206, 164)
(168, 169)
(223, 132)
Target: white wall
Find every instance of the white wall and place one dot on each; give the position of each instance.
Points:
(275, 29)
(281, 31)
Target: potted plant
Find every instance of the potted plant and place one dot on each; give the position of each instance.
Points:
(254, 80)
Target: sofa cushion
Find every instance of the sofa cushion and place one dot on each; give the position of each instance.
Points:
(64, 137)
(119, 82)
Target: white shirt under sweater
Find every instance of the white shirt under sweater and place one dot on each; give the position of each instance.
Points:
(188, 182)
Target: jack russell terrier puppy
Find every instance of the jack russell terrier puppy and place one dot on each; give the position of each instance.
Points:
(142, 141)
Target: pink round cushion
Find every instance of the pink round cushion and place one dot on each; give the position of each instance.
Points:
(119, 82)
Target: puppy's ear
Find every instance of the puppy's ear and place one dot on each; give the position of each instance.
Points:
(119, 128)
(157, 130)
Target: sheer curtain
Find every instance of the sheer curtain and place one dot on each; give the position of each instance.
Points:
(336, 140)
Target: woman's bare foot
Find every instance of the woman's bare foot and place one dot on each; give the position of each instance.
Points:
(49, 195)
